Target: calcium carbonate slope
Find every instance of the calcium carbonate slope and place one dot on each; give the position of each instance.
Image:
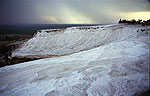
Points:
(71, 40)
(118, 67)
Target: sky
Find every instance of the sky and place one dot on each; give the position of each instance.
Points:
(72, 11)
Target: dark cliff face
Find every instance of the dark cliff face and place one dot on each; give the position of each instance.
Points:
(5, 53)
(5, 49)
(9, 43)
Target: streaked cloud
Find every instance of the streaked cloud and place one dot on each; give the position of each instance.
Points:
(49, 18)
(70, 15)
(71, 11)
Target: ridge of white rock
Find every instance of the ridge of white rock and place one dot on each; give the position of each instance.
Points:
(118, 66)
(71, 40)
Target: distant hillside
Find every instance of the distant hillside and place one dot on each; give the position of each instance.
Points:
(32, 28)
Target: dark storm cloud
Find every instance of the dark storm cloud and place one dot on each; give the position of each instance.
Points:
(17, 11)
(67, 11)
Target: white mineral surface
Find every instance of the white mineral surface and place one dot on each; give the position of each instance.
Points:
(108, 60)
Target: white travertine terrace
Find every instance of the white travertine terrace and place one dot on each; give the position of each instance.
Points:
(108, 60)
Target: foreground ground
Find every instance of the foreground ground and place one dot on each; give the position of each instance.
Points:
(103, 60)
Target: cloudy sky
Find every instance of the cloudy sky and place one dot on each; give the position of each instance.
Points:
(72, 11)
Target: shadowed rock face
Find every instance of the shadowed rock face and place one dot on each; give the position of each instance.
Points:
(119, 67)
(8, 43)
